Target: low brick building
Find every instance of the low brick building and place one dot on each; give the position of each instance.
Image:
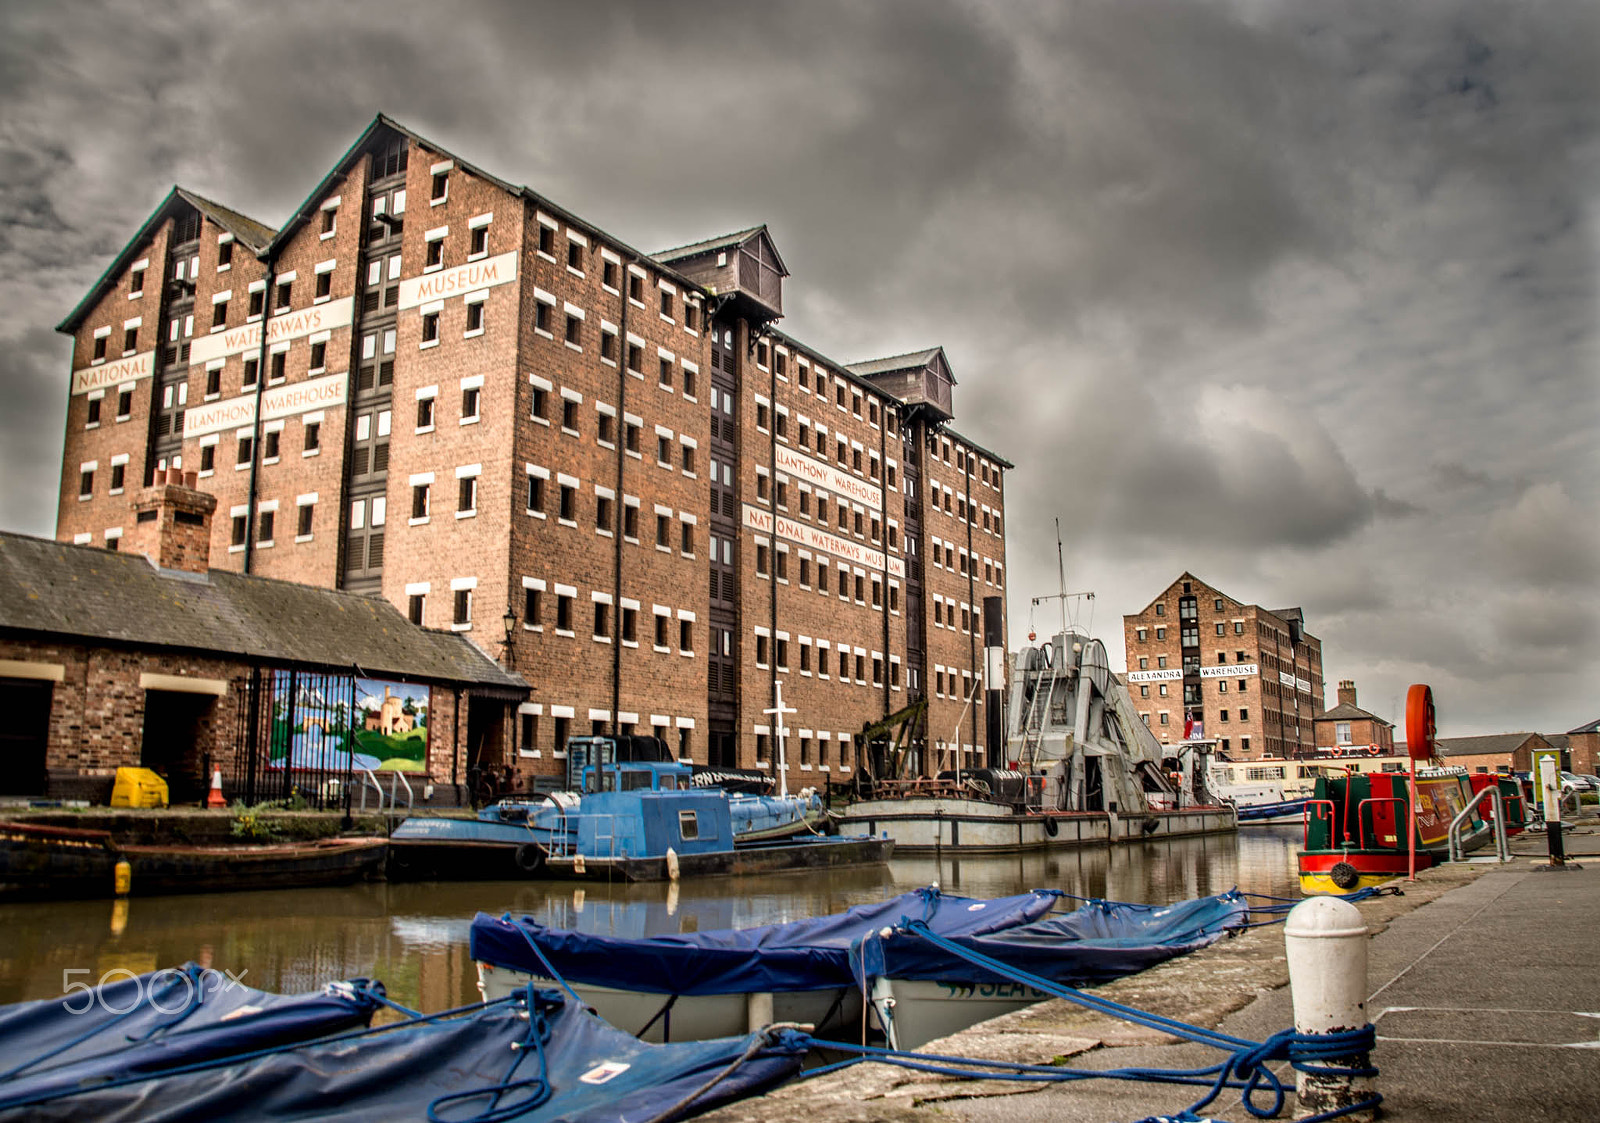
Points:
(144, 657)
(1583, 748)
(1493, 752)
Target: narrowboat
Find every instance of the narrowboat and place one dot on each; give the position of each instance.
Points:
(1355, 827)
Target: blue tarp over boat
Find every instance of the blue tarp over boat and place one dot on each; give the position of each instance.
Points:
(810, 954)
(159, 1021)
(1100, 940)
(495, 1062)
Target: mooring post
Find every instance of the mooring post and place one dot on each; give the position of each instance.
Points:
(1550, 792)
(1326, 942)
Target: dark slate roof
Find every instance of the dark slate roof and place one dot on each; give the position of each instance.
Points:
(1591, 727)
(257, 235)
(86, 594)
(1483, 745)
(1557, 740)
(721, 242)
(1346, 712)
(912, 360)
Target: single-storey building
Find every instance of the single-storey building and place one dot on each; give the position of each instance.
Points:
(141, 656)
(1493, 752)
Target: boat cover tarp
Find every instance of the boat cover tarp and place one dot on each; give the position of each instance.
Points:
(812, 954)
(1270, 810)
(580, 1068)
(168, 1018)
(1100, 940)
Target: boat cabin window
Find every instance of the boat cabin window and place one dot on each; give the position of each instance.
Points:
(669, 783)
(597, 780)
(633, 781)
(688, 825)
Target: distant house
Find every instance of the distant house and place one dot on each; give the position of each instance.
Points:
(1493, 752)
(1348, 730)
(1583, 748)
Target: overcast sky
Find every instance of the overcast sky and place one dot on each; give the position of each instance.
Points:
(1299, 297)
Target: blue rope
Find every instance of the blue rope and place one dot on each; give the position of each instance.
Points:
(538, 1034)
(548, 966)
(1244, 1069)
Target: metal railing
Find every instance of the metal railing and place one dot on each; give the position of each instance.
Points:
(368, 780)
(1497, 807)
(1401, 822)
(1314, 811)
(395, 785)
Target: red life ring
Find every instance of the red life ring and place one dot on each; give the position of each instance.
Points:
(1373, 750)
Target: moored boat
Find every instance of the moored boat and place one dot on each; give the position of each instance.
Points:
(1082, 769)
(514, 837)
(1361, 829)
(40, 862)
(709, 984)
(921, 992)
(639, 820)
(536, 1056)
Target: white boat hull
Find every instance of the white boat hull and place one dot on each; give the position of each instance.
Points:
(697, 1017)
(915, 1012)
(926, 825)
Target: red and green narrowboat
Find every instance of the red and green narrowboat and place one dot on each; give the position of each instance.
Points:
(1355, 827)
(1511, 798)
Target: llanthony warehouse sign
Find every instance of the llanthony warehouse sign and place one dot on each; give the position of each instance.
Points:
(280, 401)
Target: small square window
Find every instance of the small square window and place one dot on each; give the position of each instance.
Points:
(470, 399)
(574, 256)
(475, 317)
(425, 413)
(480, 241)
(441, 187)
(313, 436)
(285, 294)
(430, 328)
(324, 285)
(573, 327)
(435, 255)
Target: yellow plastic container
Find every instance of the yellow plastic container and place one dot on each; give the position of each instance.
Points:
(138, 787)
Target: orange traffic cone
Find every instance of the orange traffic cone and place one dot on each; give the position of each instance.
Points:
(214, 796)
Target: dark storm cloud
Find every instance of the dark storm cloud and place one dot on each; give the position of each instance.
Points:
(1297, 296)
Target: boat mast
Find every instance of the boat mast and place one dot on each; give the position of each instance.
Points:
(779, 709)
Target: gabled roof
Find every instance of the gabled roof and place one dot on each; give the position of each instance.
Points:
(1486, 745)
(257, 235)
(381, 121)
(88, 595)
(253, 234)
(724, 242)
(1344, 711)
(1591, 727)
(912, 360)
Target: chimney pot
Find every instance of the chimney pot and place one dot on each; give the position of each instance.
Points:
(191, 479)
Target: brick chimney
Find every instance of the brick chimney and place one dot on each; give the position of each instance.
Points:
(172, 522)
(1347, 691)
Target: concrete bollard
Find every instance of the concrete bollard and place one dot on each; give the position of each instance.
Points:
(1326, 943)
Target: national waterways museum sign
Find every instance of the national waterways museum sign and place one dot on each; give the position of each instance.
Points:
(820, 540)
(290, 325)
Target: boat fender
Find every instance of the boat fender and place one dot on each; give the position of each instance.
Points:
(1344, 875)
(1051, 827)
(1150, 826)
(529, 857)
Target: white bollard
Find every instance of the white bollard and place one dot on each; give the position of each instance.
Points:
(1326, 943)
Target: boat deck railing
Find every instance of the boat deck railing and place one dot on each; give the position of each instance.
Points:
(605, 841)
(1363, 842)
(1502, 844)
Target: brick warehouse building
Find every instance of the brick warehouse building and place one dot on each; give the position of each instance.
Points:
(442, 388)
(1249, 677)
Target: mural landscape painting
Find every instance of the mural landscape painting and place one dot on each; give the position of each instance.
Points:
(349, 723)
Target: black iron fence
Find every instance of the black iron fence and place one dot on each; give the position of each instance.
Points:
(294, 738)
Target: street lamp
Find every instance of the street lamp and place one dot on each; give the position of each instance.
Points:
(510, 621)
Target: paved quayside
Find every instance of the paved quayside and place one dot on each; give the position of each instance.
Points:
(1481, 977)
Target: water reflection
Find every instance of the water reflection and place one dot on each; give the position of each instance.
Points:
(414, 936)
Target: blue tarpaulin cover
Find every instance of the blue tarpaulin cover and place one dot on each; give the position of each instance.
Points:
(810, 954)
(1099, 941)
(159, 1021)
(569, 1065)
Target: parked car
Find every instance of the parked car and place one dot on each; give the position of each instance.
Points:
(1579, 782)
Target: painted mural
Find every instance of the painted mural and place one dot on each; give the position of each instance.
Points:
(334, 724)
